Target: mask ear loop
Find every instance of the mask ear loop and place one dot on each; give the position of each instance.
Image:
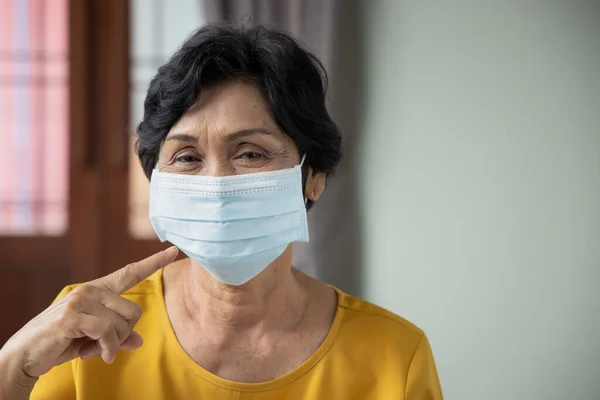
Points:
(301, 165)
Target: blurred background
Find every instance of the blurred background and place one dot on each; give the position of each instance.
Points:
(468, 200)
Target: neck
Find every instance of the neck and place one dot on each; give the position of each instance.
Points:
(275, 300)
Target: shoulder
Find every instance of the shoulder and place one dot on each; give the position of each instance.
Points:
(361, 311)
(376, 345)
(370, 323)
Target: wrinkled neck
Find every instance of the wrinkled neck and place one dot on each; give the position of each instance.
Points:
(273, 300)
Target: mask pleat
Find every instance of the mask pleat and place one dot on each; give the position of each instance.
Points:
(212, 208)
(218, 231)
(238, 248)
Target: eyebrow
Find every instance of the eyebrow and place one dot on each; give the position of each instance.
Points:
(248, 132)
(183, 137)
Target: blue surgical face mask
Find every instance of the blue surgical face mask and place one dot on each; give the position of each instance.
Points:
(233, 226)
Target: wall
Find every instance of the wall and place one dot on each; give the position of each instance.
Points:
(480, 189)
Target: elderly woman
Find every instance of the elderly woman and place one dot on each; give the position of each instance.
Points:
(238, 144)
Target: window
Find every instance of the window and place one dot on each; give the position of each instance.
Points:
(157, 29)
(34, 130)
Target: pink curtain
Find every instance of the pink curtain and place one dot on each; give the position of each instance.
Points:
(33, 117)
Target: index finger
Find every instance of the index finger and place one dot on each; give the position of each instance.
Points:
(132, 274)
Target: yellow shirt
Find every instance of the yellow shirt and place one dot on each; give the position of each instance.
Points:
(369, 353)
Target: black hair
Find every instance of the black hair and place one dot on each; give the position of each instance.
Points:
(292, 80)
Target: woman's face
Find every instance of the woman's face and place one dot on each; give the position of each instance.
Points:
(228, 131)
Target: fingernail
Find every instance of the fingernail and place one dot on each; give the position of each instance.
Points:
(88, 354)
(171, 251)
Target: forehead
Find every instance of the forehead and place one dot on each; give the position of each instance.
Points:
(228, 106)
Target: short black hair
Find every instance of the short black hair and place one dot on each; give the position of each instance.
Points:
(292, 80)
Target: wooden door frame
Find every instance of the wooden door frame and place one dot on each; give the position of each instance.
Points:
(117, 247)
(86, 62)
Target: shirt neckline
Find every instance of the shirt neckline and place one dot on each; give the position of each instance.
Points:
(296, 373)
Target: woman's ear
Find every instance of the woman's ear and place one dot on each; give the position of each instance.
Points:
(315, 184)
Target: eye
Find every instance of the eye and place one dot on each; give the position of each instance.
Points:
(251, 155)
(187, 158)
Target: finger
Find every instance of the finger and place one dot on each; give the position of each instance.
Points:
(134, 341)
(90, 349)
(89, 297)
(120, 324)
(93, 349)
(102, 331)
(132, 274)
(93, 301)
(127, 309)
(109, 342)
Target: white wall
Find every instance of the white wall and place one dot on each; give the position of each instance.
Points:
(480, 189)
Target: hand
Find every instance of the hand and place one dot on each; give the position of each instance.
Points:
(92, 319)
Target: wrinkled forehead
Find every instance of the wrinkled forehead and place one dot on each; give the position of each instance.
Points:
(226, 107)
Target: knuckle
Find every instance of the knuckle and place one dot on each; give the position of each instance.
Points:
(136, 312)
(76, 293)
(68, 321)
(85, 289)
(128, 274)
(77, 298)
(72, 306)
(131, 266)
(82, 292)
(66, 318)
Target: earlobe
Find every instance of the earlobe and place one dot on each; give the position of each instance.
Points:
(315, 185)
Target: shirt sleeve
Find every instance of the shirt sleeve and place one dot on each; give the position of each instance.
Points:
(59, 382)
(423, 382)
